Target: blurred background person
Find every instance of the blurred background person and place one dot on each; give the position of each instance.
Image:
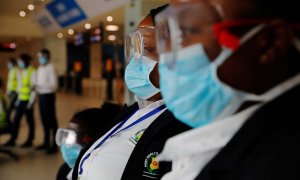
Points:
(3, 119)
(25, 102)
(84, 127)
(12, 87)
(46, 86)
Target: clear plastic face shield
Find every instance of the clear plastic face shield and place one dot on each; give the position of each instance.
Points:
(183, 25)
(66, 136)
(140, 43)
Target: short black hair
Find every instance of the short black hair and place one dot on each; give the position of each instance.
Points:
(26, 58)
(46, 52)
(155, 11)
(95, 121)
(13, 61)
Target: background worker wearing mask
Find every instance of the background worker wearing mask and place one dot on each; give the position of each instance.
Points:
(25, 101)
(84, 127)
(12, 87)
(142, 164)
(46, 86)
(245, 128)
(107, 157)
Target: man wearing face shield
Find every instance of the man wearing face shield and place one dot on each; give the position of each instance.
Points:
(244, 126)
(107, 157)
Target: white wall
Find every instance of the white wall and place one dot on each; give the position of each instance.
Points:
(17, 26)
(58, 49)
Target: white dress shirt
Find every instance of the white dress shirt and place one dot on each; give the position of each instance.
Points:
(46, 79)
(192, 150)
(109, 160)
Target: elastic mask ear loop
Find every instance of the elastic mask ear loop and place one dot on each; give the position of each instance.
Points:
(296, 42)
(226, 52)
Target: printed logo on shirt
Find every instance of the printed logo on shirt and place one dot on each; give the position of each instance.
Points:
(151, 166)
(137, 136)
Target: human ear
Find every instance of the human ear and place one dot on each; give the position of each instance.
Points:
(274, 41)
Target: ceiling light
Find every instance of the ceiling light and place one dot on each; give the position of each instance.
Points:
(112, 28)
(30, 7)
(60, 35)
(109, 18)
(70, 31)
(22, 13)
(87, 26)
(112, 37)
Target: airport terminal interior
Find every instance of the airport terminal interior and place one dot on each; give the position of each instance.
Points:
(87, 53)
(149, 89)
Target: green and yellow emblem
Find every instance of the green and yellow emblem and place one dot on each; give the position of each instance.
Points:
(151, 164)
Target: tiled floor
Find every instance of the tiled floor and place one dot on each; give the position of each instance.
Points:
(37, 165)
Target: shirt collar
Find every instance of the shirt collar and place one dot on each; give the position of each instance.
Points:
(216, 135)
(152, 105)
(206, 138)
(148, 104)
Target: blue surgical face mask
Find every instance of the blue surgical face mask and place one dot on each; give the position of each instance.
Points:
(137, 77)
(192, 89)
(70, 153)
(43, 60)
(21, 64)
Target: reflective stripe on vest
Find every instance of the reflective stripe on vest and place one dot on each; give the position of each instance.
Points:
(26, 84)
(12, 82)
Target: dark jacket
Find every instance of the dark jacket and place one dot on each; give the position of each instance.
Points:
(267, 147)
(63, 172)
(125, 112)
(141, 164)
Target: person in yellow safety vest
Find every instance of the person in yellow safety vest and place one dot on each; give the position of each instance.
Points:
(3, 120)
(24, 102)
(11, 88)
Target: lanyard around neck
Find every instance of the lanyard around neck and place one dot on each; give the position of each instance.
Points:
(115, 131)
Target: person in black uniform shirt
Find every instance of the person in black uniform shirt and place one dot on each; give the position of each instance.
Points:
(148, 143)
(142, 164)
(256, 74)
(86, 126)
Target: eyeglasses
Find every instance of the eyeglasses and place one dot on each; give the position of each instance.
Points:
(136, 43)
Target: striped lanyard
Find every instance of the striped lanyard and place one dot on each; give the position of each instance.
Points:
(115, 131)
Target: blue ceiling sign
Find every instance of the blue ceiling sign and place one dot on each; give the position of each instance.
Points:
(66, 12)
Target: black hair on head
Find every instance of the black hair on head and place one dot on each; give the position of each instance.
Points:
(26, 58)
(96, 121)
(46, 52)
(13, 61)
(154, 12)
